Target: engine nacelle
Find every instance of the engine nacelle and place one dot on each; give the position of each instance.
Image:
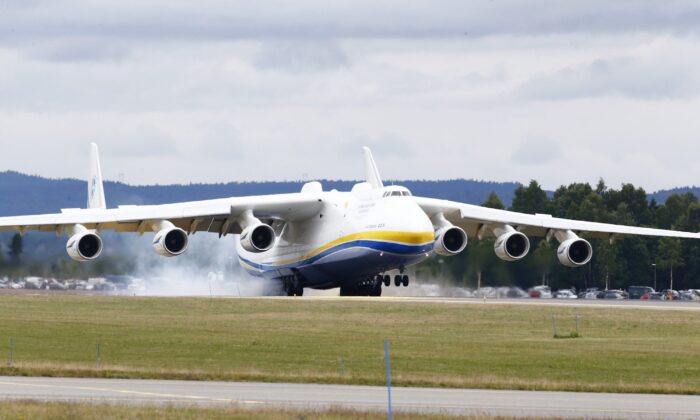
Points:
(450, 240)
(258, 238)
(512, 246)
(84, 246)
(170, 242)
(575, 252)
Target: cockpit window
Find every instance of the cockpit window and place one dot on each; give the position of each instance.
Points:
(396, 194)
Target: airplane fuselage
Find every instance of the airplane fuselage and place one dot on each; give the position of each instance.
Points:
(356, 235)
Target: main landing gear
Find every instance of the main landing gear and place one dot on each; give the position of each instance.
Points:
(292, 286)
(372, 286)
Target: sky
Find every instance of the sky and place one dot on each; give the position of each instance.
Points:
(215, 91)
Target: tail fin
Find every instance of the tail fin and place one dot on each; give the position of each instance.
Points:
(371, 171)
(96, 191)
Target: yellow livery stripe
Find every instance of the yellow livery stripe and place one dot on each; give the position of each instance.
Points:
(411, 238)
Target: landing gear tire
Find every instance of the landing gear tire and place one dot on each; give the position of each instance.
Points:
(292, 287)
(384, 279)
(397, 280)
(404, 281)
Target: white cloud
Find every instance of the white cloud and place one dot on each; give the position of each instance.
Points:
(536, 151)
(666, 68)
(301, 56)
(219, 91)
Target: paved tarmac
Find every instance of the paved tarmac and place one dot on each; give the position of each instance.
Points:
(580, 303)
(316, 397)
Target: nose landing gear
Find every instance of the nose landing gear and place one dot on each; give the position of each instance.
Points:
(400, 280)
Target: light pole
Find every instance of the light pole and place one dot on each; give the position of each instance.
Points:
(654, 265)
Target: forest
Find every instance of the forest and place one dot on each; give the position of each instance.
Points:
(629, 261)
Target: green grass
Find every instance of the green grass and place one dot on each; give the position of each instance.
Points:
(59, 411)
(473, 346)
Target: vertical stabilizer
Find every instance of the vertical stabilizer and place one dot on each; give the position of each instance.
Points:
(371, 171)
(96, 191)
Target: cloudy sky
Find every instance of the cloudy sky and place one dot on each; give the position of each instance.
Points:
(181, 91)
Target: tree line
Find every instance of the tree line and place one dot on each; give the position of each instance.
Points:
(629, 261)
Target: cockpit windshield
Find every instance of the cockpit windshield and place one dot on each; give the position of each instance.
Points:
(397, 194)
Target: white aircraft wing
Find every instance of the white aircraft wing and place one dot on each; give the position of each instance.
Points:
(473, 219)
(219, 216)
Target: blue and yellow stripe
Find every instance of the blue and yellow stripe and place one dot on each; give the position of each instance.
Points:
(395, 242)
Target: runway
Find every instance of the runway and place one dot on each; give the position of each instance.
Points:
(580, 303)
(314, 397)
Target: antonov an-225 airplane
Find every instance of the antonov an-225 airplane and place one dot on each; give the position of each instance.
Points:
(326, 239)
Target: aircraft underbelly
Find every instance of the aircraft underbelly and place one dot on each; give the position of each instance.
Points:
(355, 263)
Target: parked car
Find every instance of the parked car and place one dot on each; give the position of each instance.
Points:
(488, 292)
(516, 292)
(590, 293)
(636, 292)
(542, 292)
(657, 296)
(671, 293)
(687, 295)
(613, 294)
(565, 294)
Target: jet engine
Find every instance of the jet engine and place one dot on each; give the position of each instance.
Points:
(258, 238)
(575, 252)
(170, 242)
(512, 246)
(450, 240)
(84, 246)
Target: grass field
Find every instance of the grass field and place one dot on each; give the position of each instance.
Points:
(476, 346)
(59, 411)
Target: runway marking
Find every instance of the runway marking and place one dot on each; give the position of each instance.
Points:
(121, 391)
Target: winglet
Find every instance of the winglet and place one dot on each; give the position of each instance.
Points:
(96, 191)
(371, 171)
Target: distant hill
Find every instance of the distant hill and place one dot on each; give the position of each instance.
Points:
(661, 196)
(28, 194)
